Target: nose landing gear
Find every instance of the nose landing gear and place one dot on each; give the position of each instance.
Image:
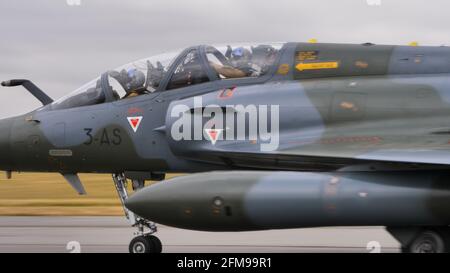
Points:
(422, 239)
(145, 244)
(145, 241)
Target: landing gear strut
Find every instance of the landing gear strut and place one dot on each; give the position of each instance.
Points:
(423, 239)
(145, 241)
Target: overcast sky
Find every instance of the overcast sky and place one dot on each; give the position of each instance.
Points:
(61, 46)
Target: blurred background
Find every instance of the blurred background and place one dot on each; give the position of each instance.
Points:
(62, 44)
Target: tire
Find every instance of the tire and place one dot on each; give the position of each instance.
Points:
(140, 244)
(155, 242)
(427, 241)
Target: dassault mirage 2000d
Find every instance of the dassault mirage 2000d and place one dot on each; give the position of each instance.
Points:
(286, 135)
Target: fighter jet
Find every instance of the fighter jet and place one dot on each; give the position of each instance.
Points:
(271, 136)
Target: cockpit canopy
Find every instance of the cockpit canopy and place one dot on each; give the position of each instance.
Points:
(174, 70)
(251, 60)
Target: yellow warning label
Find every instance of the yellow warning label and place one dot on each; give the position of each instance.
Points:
(307, 55)
(317, 66)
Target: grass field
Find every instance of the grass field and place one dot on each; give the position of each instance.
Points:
(50, 194)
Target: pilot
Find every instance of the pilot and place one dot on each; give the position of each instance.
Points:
(240, 61)
(263, 57)
(155, 74)
(132, 81)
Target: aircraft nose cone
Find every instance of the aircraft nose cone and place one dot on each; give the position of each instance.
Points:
(5, 149)
(149, 203)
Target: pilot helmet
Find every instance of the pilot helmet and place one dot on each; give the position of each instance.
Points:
(240, 52)
(262, 52)
(240, 57)
(263, 56)
(137, 79)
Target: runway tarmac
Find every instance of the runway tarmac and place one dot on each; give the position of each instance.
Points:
(113, 234)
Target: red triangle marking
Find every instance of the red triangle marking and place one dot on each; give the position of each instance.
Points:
(213, 134)
(134, 122)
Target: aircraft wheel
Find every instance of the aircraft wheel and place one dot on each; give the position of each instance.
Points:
(155, 242)
(427, 241)
(140, 244)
